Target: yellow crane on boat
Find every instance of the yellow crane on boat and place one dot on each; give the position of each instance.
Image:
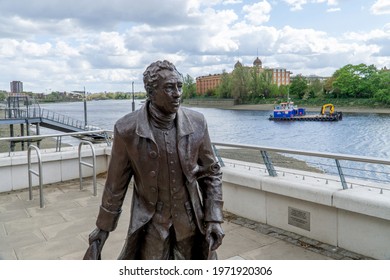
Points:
(325, 106)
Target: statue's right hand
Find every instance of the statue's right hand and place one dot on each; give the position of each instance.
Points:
(98, 235)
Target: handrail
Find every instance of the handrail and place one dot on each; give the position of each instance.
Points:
(43, 136)
(333, 156)
(39, 174)
(17, 113)
(105, 133)
(61, 118)
(307, 153)
(93, 165)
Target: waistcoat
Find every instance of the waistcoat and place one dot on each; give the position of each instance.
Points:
(173, 207)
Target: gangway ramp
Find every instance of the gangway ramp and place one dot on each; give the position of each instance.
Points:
(49, 119)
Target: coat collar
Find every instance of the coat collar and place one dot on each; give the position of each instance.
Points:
(143, 129)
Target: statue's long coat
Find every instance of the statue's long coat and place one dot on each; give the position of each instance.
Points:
(135, 153)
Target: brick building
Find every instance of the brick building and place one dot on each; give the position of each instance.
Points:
(205, 83)
(280, 76)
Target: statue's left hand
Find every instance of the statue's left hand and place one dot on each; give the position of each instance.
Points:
(98, 235)
(214, 234)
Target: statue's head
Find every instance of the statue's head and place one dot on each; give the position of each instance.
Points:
(163, 85)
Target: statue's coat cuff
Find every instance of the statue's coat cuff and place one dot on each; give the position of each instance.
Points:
(107, 220)
(213, 210)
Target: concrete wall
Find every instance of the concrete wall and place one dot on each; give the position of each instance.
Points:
(356, 219)
(210, 102)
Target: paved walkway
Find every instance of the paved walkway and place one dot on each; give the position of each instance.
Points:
(61, 229)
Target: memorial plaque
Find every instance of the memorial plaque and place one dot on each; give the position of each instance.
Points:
(299, 218)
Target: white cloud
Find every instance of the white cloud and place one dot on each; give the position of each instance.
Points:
(258, 13)
(8, 48)
(331, 2)
(34, 49)
(378, 40)
(332, 10)
(303, 41)
(64, 45)
(64, 49)
(297, 5)
(229, 2)
(381, 7)
(99, 14)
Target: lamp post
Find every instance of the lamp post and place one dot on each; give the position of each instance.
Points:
(85, 105)
(133, 104)
(85, 109)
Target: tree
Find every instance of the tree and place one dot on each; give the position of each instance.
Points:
(211, 92)
(383, 92)
(328, 87)
(240, 83)
(359, 81)
(3, 95)
(315, 88)
(281, 91)
(266, 85)
(224, 89)
(299, 86)
(189, 87)
(255, 84)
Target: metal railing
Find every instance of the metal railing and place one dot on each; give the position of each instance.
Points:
(273, 170)
(60, 118)
(93, 165)
(38, 174)
(58, 137)
(273, 167)
(37, 112)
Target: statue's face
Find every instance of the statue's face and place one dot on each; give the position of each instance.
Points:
(167, 95)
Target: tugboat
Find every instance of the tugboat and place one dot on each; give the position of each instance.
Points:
(286, 111)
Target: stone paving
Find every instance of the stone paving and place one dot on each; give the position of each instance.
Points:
(60, 230)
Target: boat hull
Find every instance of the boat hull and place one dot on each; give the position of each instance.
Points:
(337, 116)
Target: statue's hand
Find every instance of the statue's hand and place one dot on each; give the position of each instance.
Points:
(214, 235)
(98, 235)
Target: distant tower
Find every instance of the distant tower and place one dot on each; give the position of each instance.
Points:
(238, 64)
(257, 63)
(16, 87)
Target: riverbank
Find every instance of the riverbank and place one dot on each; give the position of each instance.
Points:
(279, 160)
(269, 107)
(345, 107)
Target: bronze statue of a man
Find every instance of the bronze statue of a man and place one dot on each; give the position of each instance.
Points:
(176, 212)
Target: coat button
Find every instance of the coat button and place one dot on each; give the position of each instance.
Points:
(153, 154)
(152, 173)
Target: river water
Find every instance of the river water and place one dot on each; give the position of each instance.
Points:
(357, 134)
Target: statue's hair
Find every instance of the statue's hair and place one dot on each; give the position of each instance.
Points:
(151, 74)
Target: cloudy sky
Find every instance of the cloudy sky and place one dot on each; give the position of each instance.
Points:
(57, 45)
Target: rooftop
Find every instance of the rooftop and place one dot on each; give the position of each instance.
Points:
(61, 229)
